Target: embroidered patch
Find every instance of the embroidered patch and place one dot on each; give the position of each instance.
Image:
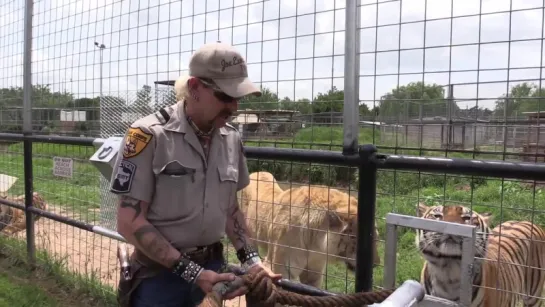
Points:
(136, 141)
(124, 177)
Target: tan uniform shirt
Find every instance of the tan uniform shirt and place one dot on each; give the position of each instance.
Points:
(162, 162)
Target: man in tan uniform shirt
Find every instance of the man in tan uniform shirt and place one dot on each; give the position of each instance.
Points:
(178, 174)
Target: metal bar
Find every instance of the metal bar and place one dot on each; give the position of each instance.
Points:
(108, 233)
(366, 219)
(61, 140)
(466, 231)
(64, 140)
(390, 259)
(286, 284)
(407, 294)
(351, 77)
(480, 168)
(302, 155)
(62, 219)
(12, 137)
(466, 278)
(12, 204)
(27, 130)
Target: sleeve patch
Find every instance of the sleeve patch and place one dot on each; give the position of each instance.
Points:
(136, 141)
(124, 177)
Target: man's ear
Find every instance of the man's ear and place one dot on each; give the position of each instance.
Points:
(421, 209)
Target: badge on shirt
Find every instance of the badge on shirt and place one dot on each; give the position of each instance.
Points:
(124, 177)
(136, 141)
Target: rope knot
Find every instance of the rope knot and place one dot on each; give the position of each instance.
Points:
(261, 288)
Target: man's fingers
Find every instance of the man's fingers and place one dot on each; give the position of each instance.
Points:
(224, 277)
(240, 291)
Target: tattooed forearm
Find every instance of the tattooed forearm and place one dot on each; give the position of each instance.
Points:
(154, 245)
(135, 204)
(237, 229)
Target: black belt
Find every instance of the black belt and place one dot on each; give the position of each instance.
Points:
(206, 253)
(200, 255)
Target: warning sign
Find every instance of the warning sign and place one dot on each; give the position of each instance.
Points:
(63, 167)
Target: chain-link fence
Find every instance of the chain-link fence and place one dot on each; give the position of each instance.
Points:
(442, 78)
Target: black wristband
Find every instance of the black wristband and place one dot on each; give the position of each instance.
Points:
(246, 253)
(187, 269)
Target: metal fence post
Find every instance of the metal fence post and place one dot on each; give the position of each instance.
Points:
(351, 112)
(27, 130)
(366, 218)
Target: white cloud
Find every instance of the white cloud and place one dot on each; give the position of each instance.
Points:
(293, 47)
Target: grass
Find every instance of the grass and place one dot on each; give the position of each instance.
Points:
(80, 194)
(48, 284)
(397, 191)
(18, 291)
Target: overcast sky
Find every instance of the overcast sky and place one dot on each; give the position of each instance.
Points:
(151, 40)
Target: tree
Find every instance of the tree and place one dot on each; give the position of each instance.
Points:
(11, 100)
(330, 101)
(267, 101)
(414, 99)
(302, 105)
(142, 104)
(524, 97)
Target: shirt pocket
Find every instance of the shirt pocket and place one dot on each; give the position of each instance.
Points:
(228, 181)
(176, 193)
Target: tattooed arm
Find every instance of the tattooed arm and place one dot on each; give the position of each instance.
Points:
(133, 226)
(236, 228)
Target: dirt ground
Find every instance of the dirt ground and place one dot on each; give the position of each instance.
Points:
(85, 252)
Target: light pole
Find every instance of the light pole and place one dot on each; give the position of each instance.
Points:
(101, 47)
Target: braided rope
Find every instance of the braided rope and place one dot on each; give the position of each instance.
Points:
(261, 289)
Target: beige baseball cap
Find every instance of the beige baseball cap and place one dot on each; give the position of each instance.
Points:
(225, 66)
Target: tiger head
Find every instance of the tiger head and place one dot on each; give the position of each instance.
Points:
(344, 243)
(39, 202)
(435, 245)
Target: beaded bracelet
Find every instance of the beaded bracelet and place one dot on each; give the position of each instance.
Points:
(187, 269)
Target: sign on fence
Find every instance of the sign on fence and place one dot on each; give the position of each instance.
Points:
(63, 167)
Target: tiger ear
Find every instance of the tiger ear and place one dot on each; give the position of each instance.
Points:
(487, 217)
(421, 209)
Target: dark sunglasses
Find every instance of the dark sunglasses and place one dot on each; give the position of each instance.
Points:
(221, 96)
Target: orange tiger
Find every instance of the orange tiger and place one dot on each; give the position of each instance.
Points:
(506, 266)
(13, 220)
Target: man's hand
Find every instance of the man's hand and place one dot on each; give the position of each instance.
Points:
(253, 270)
(207, 279)
(260, 266)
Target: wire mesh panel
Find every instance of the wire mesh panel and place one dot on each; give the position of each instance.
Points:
(458, 79)
(11, 65)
